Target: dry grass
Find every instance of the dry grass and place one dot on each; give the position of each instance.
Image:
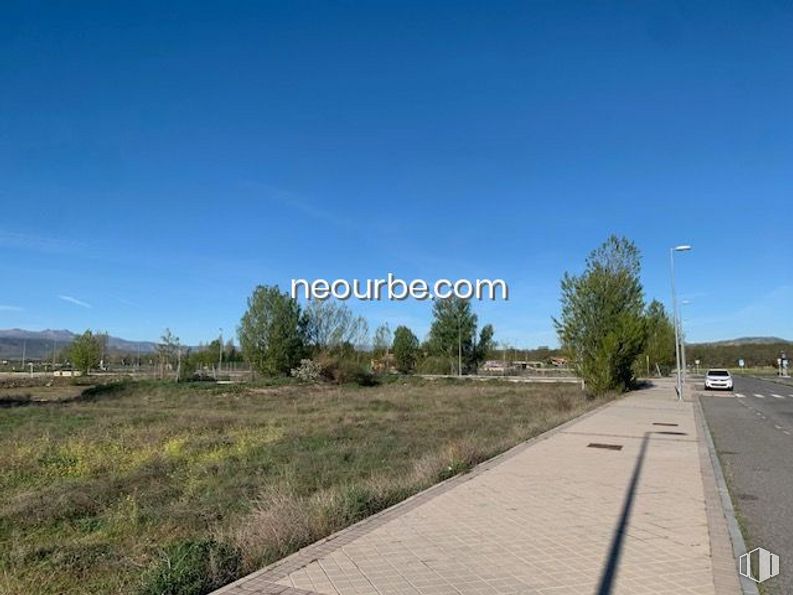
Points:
(150, 487)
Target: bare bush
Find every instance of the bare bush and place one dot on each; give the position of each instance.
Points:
(307, 371)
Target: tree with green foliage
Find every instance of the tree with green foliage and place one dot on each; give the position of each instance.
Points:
(602, 325)
(406, 349)
(484, 345)
(453, 335)
(85, 352)
(273, 331)
(660, 347)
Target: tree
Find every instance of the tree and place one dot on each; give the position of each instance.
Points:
(169, 352)
(231, 354)
(382, 340)
(331, 324)
(602, 327)
(484, 345)
(660, 347)
(406, 349)
(272, 331)
(453, 334)
(85, 352)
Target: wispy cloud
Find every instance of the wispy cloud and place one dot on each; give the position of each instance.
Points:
(5, 308)
(300, 204)
(74, 300)
(37, 243)
(372, 233)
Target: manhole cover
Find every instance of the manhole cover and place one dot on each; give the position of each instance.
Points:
(606, 446)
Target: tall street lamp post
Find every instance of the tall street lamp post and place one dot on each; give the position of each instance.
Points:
(683, 342)
(676, 318)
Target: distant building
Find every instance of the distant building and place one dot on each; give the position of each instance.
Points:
(493, 365)
(67, 373)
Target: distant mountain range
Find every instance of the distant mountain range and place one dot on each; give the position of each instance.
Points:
(40, 344)
(746, 341)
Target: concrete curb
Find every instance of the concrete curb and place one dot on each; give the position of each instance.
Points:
(748, 587)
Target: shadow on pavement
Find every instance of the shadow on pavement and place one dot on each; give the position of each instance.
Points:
(615, 551)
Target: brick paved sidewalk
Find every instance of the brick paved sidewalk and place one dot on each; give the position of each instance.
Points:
(554, 515)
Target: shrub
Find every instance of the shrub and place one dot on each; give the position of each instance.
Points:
(435, 364)
(346, 370)
(187, 369)
(192, 568)
(203, 376)
(364, 377)
(307, 371)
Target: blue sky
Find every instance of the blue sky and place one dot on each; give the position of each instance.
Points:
(158, 160)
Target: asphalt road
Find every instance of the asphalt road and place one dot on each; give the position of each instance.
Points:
(752, 428)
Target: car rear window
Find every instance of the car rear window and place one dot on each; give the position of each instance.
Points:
(718, 373)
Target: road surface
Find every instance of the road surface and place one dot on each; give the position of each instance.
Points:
(752, 429)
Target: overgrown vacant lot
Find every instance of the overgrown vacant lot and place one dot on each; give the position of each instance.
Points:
(162, 488)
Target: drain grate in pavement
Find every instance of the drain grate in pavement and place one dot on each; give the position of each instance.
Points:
(663, 423)
(606, 446)
(668, 433)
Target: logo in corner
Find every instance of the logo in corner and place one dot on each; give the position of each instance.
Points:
(758, 565)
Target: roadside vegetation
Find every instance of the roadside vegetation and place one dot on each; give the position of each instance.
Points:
(605, 328)
(163, 487)
(758, 355)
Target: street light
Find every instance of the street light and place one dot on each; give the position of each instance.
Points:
(676, 316)
(683, 341)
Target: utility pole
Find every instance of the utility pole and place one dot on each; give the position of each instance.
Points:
(459, 348)
(220, 350)
(24, 352)
(676, 318)
(683, 349)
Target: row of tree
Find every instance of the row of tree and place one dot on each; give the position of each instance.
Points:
(276, 333)
(605, 329)
(89, 351)
(728, 355)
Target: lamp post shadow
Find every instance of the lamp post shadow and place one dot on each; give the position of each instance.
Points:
(615, 550)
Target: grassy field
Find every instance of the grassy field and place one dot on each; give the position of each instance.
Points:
(160, 488)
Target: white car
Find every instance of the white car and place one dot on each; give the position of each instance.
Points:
(718, 379)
